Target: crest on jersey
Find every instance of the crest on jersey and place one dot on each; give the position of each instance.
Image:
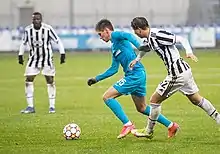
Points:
(38, 43)
(117, 53)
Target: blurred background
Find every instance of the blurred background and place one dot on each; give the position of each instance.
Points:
(74, 20)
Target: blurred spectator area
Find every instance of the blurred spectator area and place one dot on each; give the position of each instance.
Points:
(15, 13)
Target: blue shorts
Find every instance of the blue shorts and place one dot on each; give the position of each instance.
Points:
(134, 84)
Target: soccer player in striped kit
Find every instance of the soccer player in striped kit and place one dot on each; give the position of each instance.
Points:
(179, 76)
(38, 37)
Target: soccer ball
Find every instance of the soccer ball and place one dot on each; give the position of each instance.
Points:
(71, 131)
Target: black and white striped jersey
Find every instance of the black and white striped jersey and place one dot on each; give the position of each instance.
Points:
(163, 43)
(39, 42)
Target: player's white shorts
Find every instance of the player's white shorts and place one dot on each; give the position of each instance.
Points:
(184, 83)
(46, 70)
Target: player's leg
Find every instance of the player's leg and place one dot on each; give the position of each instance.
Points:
(49, 73)
(155, 103)
(30, 74)
(165, 89)
(138, 97)
(109, 99)
(206, 105)
(29, 91)
(143, 108)
(191, 90)
(51, 90)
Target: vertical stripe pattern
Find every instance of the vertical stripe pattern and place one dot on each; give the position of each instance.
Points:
(39, 41)
(163, 43)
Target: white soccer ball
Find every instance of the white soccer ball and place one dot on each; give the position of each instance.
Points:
(71, 131)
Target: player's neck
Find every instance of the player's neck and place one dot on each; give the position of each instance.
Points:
(37, 28)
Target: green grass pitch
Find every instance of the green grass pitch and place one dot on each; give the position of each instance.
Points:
(76, 102)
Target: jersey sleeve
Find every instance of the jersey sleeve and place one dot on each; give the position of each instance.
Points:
(23, 43)
(110, 71)
(53, 35)
(25, 37)
(165, 38)
(57, 40)
(128, 36)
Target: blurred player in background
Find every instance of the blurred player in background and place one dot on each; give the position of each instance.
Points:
(134, 81)
(179, 76)
(38, 37)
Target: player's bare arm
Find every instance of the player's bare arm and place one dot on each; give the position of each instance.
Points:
(186, 45)
(192, 57)
(142, 51)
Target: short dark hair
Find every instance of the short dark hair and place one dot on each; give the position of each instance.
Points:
(139, 22)
(104, 23)
(37, 13)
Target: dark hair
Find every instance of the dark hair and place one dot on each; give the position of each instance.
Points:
(102, 24)
(37, 13)
(139, 22)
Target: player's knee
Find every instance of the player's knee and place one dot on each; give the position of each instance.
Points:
(105, 97)
(195, 98)
(196, 101)
(141, 109)
(29, 79)
(153, 100)
(156, 98)
(49, 80)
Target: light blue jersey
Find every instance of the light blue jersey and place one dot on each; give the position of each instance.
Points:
(123, 53)
(134, 81)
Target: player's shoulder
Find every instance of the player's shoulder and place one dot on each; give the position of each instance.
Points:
(47, 26)
(156, 30)
(116, 33)
(160, 31)
(28, 27)
(119, 34)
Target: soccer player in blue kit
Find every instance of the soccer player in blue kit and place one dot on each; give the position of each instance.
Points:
(134, 81)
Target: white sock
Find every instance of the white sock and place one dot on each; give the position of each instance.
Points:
(218, 119)
(208, 108)
(154, 114)
(29, 92)
(170, 125)
(51, 89)
(128, 123)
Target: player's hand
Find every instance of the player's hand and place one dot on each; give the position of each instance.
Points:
(62, 58)
(91, 81)
(20, 59)
(132, 63)
(192, 56)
